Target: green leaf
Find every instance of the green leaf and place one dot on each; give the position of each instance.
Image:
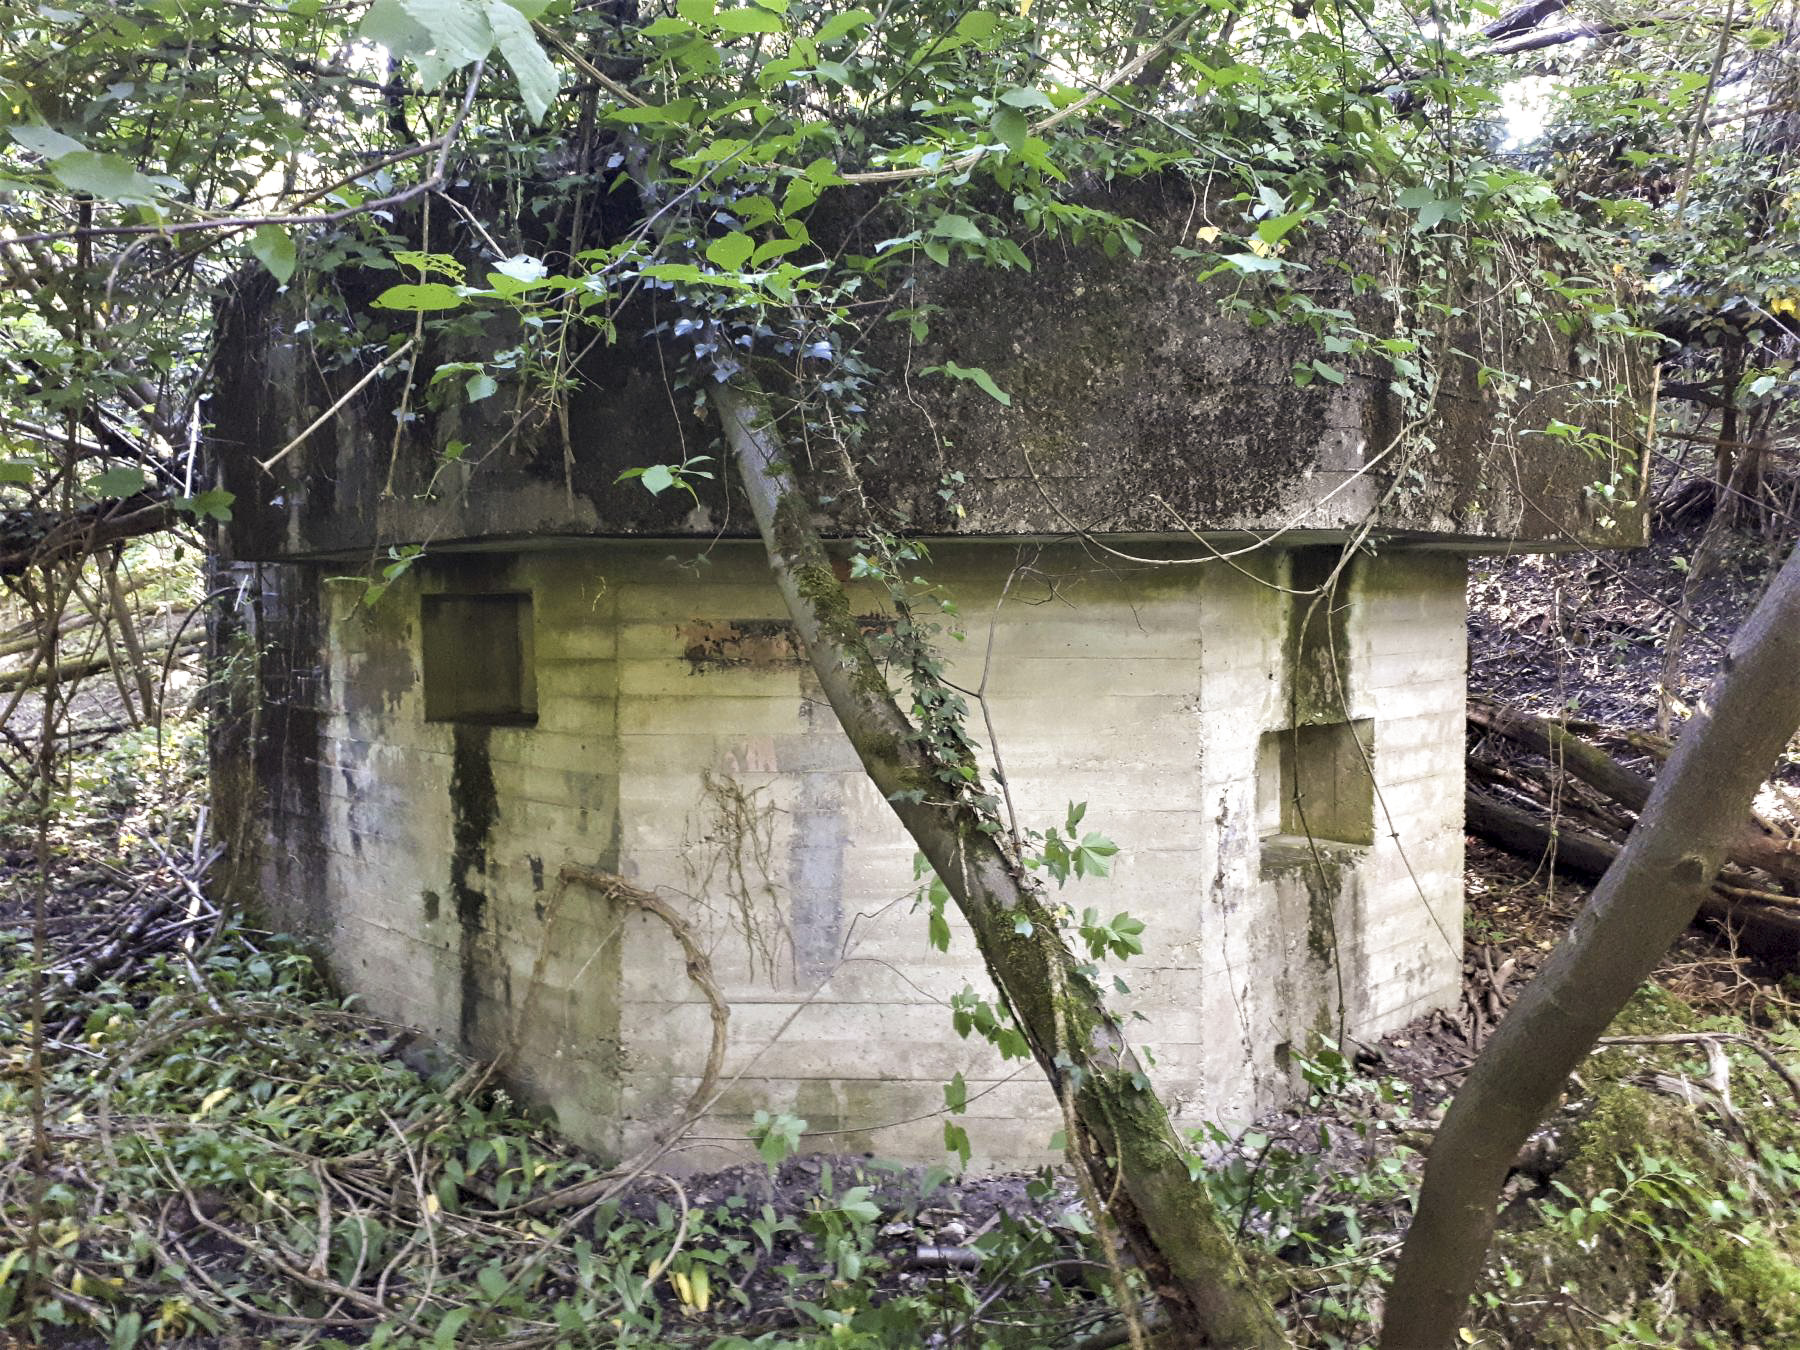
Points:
(105, 176)
(481, 386)
(981, 380)
(213, 504)
(12, 471)
(126, 1329)
(1251, 262)
(751, 20)
(522, 267)
(119, 482)
(414, 297)
(839, 24)
(956, 1095)
(458, 29)
(388, 25)
(956, 1140)
(953, 226)
(696, 11)
(1011, 128)
(731, 252)
(977, 25)
(273, 247)
(519, 46)
(857, 1204)
(1328, 372)
(658, 478)
(45, 141)
(1026, 98)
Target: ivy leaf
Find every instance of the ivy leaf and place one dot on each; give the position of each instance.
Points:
(213, 504)
(956, 1140)
(119, 482)
(537, 78)
(273, 247)
(414, 297)
(956, 1095)
(731, 252)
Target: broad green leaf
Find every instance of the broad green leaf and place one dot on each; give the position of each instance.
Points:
(12, 471)
(978, 24)
(388, 25)
(1011, 128)
(480, 386)
(658, 478)
(523, 267)
(459, 29)
(118, 482)
(105, 176)
(45, 141)
(730, 252)
(531, 9)
(775, 248)
(1328, 372)
(1250, 262)
(840, 24)
(273, 247)
(696, 11)
(954, 226)
(427, 295)
(530, 67)
(1026, 98)
(750, 20)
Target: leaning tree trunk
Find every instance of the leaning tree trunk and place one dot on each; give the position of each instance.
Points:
(1168, 1221)
(1646, 898)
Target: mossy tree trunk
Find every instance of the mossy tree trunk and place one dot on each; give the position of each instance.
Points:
(1167, 1220)
(1650, 893)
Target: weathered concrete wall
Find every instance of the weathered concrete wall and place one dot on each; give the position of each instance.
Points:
(1140, 403)
(679, 740)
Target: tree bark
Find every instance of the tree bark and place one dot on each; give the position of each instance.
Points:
(1168, 1221)
(29, 539)
(1648, 895)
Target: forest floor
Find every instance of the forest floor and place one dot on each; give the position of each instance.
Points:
(238, 1158)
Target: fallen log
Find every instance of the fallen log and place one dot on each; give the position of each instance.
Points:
(66, 671)
(1557, 743)
(1764, 929)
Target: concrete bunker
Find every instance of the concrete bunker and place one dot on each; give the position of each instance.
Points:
(1276, 745)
